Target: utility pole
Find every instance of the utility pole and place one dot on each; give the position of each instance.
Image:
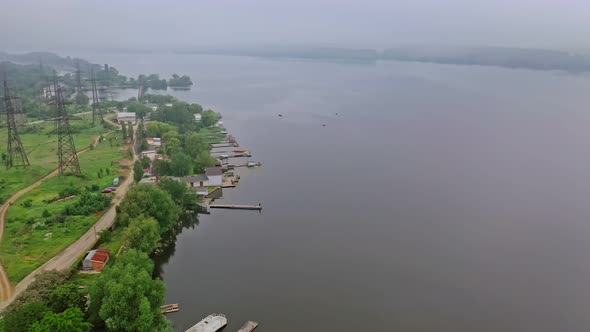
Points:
(66, 150)
(95, 100)
(16, 154)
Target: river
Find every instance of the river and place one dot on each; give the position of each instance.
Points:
(435, 198)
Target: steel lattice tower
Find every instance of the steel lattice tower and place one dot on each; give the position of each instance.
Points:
(78, 77)
(16, 154)
(66, 150)
(95, 101)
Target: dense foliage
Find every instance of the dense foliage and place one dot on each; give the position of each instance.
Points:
(71, 320)
(148, 201)
(142, 234)
(126, 298)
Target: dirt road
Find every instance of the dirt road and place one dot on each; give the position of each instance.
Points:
(67, 257)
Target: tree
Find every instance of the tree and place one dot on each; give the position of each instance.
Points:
(23, 317)
(158, 129)
(128, 284)
(124, 130)
(210, 118)
(180, 164)
(150, 201)
(181, 194)
(203, 161)
(130, 130)
(137, 171)
(142, 234)
(138, 108)
(71, 320)
(195, 144)
(66, 296)
(81, 99)
(146, 162)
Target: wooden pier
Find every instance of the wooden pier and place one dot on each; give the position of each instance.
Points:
(211, 323)
(249, 326)
(236, 207)
(167, 308)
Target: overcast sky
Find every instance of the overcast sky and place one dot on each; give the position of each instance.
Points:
(51, 24)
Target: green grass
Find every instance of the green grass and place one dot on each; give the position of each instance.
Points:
(41, 146)
(26, 244)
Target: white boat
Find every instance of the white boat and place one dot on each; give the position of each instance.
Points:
(211, 323)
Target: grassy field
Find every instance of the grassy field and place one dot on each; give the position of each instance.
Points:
(40, 142)
(36, 230)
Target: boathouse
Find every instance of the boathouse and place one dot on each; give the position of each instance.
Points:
(214, 175)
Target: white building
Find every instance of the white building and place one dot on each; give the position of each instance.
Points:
(214, 175)
(124, 117)
(198, 117)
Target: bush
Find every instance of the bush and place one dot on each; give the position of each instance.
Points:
(22, 318)
(89, 203)
(27, 203)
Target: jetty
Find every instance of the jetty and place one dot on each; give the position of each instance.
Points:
(249, 326)
(236, 207)
(211, 323)
(225, 145)
(168, 308)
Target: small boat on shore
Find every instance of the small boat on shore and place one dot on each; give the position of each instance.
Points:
(211, 323)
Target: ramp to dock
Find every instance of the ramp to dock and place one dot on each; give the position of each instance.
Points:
(248, 327)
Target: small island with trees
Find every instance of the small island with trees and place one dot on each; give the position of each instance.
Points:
(183, 81)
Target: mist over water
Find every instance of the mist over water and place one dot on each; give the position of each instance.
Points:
(436, 198)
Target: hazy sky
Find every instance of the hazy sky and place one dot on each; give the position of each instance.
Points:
(43, 24)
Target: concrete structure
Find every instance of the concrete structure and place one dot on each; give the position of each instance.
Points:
(211, 323)
(249, 326)
(96, 259)
(124, 117)
(202, 191)
(214, 175)
(151, 180)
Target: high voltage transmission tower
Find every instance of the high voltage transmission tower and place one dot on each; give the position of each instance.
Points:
(15, 152)
(66, 150)
(78, 77)
(96, 110)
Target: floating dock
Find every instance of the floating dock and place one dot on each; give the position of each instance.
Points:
(236, 207)
(168, 308)
(248, 327)
(211, 323)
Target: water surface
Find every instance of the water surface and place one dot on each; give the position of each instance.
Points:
(435, 198)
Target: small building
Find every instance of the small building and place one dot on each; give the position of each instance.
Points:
(152, 107)
(214, 175)
(150, 154)
(124, 117)
(198, 117)
(196, 181)
(96, 260)
(154, 142)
